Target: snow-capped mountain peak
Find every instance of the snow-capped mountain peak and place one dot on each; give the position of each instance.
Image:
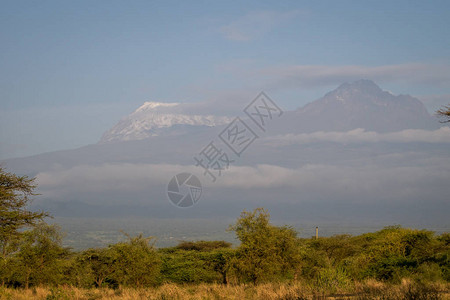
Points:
(150, 105)
(158, 118)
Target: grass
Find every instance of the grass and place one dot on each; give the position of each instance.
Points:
(370, 289)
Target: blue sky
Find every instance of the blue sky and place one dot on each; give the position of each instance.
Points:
(70, 69)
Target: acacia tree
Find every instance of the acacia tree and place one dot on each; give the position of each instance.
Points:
(15, 193)
(444, 113)
(94, 266)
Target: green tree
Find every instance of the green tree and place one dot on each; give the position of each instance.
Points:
(266, 252)
(196, 262)
(93, 267)
(15, 193)
(136, 262)
(203, 245)
(41, 257)
(219, 261)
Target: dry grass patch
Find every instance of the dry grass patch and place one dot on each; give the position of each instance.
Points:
(369, 289)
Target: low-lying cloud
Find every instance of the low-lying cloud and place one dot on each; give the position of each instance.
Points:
(359, 135)
(426, 178)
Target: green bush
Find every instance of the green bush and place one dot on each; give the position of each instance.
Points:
(203, 245)
(332, 279)
(191, 266)
(136, 262)
(267, 253)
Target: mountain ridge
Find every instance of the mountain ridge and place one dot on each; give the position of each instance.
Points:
(360, 104)
(352, 105)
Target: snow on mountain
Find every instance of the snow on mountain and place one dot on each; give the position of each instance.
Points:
(157, 118)
(359, 104)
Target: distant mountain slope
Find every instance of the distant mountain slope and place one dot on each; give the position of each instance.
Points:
(360, 104)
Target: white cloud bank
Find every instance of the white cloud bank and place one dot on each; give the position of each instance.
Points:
(359, 135)
(347, 182)
(393, 176)
(426, 178)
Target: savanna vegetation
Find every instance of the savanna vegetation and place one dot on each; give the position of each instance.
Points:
(271, 262)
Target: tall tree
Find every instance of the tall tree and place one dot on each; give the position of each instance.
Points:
(266, 252)
(136, 262)
(94, 266)
(15, 193)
